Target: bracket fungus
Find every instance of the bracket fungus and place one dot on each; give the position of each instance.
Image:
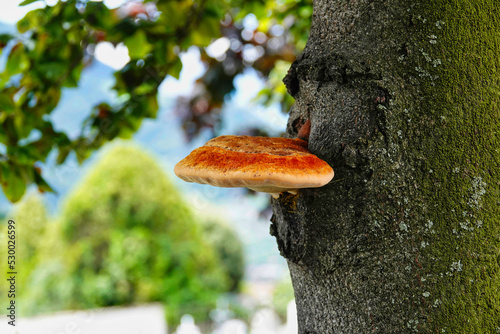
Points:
(266, 164)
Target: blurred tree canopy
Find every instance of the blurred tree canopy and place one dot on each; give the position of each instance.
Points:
(54, 44)
(125, 236)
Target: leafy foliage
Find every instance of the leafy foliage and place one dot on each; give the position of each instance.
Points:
(126, 237)
(56, 43)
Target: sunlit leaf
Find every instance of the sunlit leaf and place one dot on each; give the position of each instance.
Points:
(34, 19)
(151, 106)
(206, 31)
(138, 45)
(12, 183)
(145, 88)
(17, 61)
(175, 69)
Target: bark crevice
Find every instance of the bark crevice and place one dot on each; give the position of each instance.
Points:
(288, 226)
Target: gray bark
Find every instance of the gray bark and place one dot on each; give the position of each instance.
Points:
(405, 238)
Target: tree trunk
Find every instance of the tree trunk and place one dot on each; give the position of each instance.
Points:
(403, 99)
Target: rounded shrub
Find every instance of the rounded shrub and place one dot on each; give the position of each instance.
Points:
(127, 237)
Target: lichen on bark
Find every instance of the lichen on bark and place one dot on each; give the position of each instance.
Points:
(403, 100)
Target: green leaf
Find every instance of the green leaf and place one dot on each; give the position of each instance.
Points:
(6, 103)
(18, 61)
(34, 19)
(21, 125)
(138, 45)
(63, 154)
(82, 150)
(4, 39)
(145, 88)
(73, 77)
(98, 15)
(127, 133)
(175, 69)
(23, 25)
(151, 106)
(53, 70)
(43, 186)
(40, 148)
(27, 2)
(206, 31)
(12, 183)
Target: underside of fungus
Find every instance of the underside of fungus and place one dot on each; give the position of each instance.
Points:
(271, 165)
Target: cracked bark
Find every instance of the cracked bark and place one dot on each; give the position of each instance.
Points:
(403, 103)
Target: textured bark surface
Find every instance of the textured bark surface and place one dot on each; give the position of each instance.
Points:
(404, 103)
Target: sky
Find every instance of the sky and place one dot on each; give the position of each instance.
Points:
(10, 12)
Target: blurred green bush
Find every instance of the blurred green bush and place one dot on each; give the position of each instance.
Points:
(126, 237)
(229, 250)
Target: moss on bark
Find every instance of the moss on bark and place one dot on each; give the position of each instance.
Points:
(459, 45)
